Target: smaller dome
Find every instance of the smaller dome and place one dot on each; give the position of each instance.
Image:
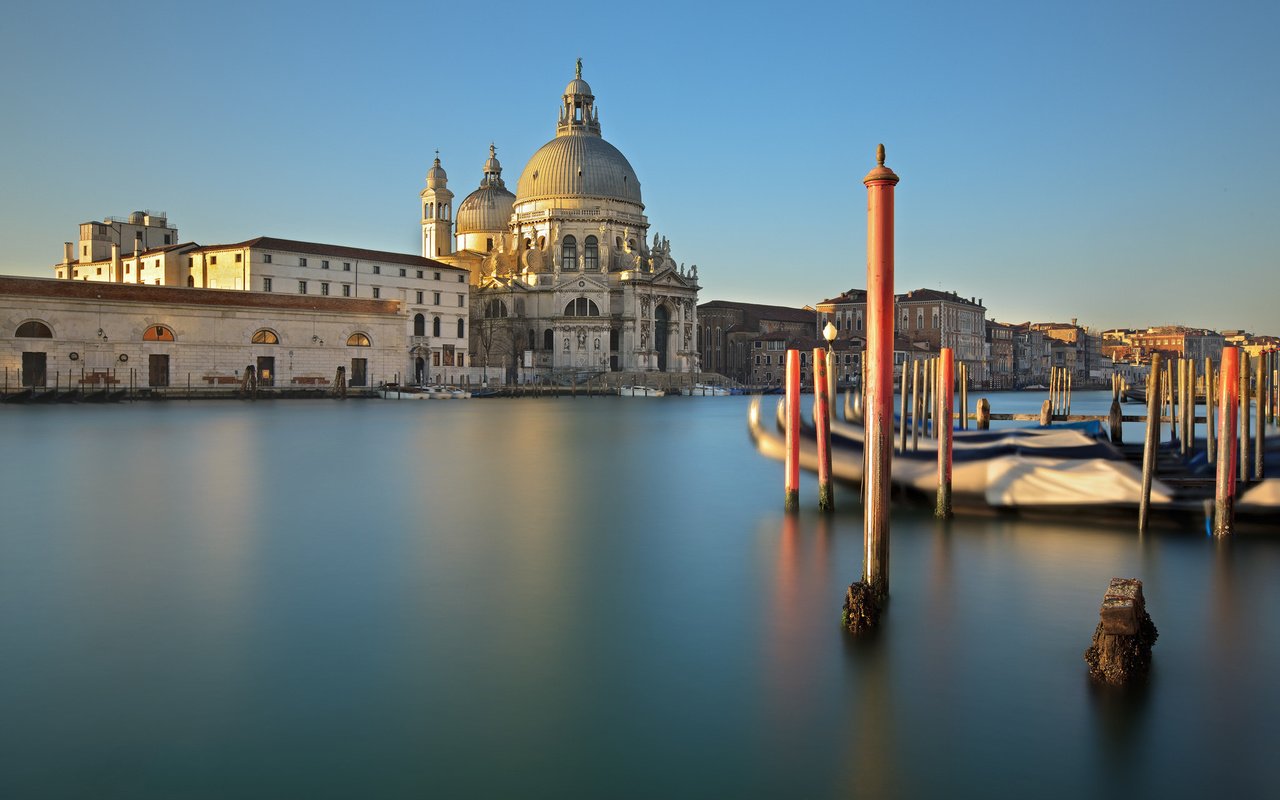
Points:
(486, 210)
(578, 86)
(436, 176)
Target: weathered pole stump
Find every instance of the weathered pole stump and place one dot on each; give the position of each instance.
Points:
(1121, 648)
(861, 611)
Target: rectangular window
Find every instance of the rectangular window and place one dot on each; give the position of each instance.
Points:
(266, 258)
(346, 290)
(377, 270)
(128, 268)
(462, 278)
(213, 259)
(324, 289)
(435, 298)
(419, 300)
(84, 250)
(302, 262)
(461, 301)
(238, 258)
(99, 270)
(346, 266)
(167, 238)
(419, 273)
(376, 293)
(437, 276)
(191, 262)
(302, 287)
(266, 284)
(324, 265)
(403, 272)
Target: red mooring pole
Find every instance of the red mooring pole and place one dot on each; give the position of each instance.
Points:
(822, 424)
(878, 413)
(1224, 501)
(946, 410)
(793, 431)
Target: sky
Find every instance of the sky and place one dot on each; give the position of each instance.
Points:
(1111, 162)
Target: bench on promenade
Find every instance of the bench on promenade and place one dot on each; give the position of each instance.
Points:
(220, 379)
(310, 380)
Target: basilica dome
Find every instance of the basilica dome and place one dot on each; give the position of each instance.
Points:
(578, 165)
(488, 208)
(578, 162)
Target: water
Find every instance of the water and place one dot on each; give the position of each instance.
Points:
(573, 598)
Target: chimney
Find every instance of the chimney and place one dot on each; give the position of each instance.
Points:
(68, 252)
(117, 275)
(1073, 322)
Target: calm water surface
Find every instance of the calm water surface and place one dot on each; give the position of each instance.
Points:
(573, 598)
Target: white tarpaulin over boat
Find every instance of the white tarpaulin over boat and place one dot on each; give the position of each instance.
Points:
(1020, 481)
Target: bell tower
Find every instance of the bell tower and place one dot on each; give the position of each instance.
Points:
(437, 213)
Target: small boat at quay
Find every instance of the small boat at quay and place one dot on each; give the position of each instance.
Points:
(640, 391)
(395, 392)
(703, 390)
(1054, 471)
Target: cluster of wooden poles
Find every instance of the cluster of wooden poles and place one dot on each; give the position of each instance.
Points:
(931, 400)
(929, 392)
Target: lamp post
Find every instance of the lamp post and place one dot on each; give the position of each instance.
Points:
(829, 333)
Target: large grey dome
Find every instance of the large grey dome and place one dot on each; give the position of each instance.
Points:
(578, 165)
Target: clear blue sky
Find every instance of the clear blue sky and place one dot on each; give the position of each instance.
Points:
(1114, 162)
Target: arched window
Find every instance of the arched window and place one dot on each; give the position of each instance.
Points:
(265, 336)
(419, 325)
(582, 307)
(191, 280)
(358, 340)
(569, 253)
(462, 328)
(591, 253)
(157, 333)
(548, 339)
(495, 309)
(435, 326)
(33, 330)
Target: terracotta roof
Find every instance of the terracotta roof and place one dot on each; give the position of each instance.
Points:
(754, 312)
(173, 295)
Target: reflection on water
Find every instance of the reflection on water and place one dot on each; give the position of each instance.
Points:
(568, 598)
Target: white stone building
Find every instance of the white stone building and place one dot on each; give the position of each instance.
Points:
(565, 278)
(91, 336)
(434, 297)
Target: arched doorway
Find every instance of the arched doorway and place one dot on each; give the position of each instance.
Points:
(660, 324)
(419, 370)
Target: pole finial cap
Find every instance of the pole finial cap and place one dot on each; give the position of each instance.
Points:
(881, 173)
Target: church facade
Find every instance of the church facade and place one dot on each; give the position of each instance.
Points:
(564, 277)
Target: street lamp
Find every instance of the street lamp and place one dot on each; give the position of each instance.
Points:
(829, 333)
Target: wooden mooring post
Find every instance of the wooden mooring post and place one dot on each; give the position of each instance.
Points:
(1259, 444)
(1225, 486)
(946, 409)
(792, 476)
(915, 406)
(1151, 441)
(1244, 417)
(1210, 440)
(822, 426)
(865, 598)
(983, 414)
